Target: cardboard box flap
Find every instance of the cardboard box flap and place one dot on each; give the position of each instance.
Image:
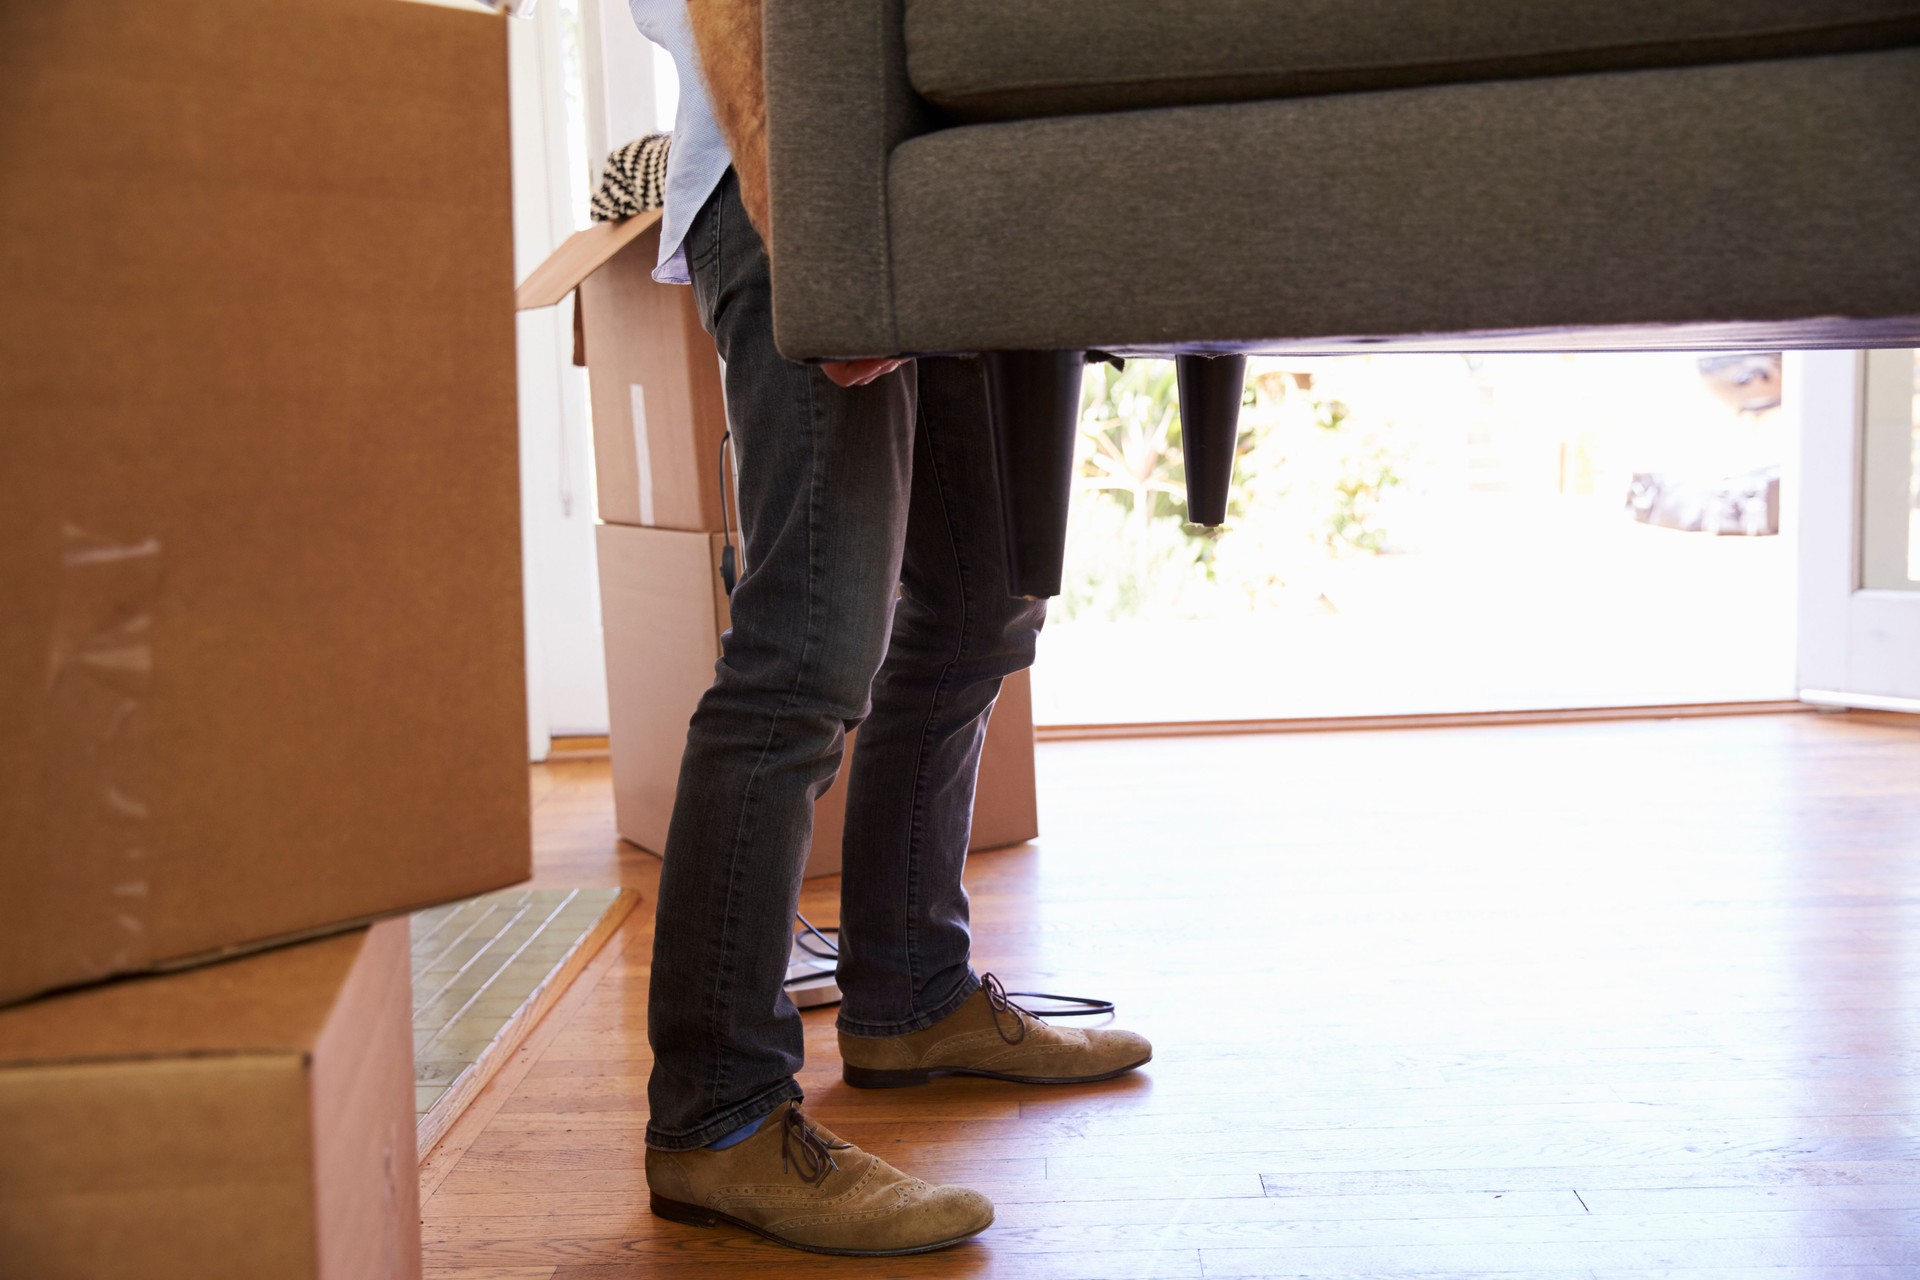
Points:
(277, 1001)
(579, 256)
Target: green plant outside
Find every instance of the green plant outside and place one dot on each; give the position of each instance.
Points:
(1310, 487)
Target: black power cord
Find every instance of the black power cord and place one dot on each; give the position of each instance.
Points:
(807, 927)
(1082, 1006)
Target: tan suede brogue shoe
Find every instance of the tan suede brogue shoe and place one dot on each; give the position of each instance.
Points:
(795, 1183)
(991, 1036)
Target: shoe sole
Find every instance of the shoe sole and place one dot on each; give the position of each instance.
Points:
(694, 1216)
(873, 1078)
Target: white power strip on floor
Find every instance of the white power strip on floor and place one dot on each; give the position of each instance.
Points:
(810, 981)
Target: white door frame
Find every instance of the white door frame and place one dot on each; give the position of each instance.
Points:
(566, 667)
(566, 683)
(1859, 646)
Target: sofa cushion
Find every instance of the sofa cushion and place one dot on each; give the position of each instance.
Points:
(1749, 193)
(1012, 59)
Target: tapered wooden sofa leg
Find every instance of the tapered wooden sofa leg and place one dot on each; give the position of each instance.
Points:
(1210, 390)
(1034, 397)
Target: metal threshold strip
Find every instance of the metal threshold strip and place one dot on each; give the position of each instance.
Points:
(1860, 701)
(1443, 720)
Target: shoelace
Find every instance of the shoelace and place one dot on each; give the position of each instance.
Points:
(802, 1147)
(998, 1003)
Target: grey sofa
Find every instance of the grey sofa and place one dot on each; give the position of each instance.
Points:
(1227, 175)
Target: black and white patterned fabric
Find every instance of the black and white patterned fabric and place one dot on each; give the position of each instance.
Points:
(635, 179)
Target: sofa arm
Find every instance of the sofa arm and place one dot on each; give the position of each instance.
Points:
(838, 103)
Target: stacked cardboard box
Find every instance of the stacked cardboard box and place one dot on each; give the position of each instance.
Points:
(246, 1119)
(658, 421)
(664, 610)
(261, 672)
(261, 655)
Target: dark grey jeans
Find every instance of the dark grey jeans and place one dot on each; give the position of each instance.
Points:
(874, 595)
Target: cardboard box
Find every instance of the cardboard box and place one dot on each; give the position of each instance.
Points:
(654, 378)
(261, 668)
(243, 1120)
(663, 610)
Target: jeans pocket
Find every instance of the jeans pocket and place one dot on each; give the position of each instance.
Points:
(703, 236)
(703, 265)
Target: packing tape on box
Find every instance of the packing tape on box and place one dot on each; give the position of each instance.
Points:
(98, 769)
(642, 450)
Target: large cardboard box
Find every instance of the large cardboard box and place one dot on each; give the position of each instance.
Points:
(261, 668)
(243, 1120)
(654, 379)
(663, 609)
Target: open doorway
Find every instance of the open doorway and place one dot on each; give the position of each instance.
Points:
(1433, 534)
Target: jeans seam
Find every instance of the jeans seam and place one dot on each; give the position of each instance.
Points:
(715, 262)
(916, 831)
(718, 1002)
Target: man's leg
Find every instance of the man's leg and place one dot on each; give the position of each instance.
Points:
(824, 480)
(956, 634)
(913, 1008)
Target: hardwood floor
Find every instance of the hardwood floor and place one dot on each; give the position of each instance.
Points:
(1629, 999)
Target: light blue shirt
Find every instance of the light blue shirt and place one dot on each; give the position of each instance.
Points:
(698, 158)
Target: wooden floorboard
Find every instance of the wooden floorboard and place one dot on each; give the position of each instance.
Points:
(1614, 1001)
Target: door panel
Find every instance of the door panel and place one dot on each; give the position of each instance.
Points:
(1859, 528)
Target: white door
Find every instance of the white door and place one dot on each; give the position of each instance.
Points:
(1859, 515)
